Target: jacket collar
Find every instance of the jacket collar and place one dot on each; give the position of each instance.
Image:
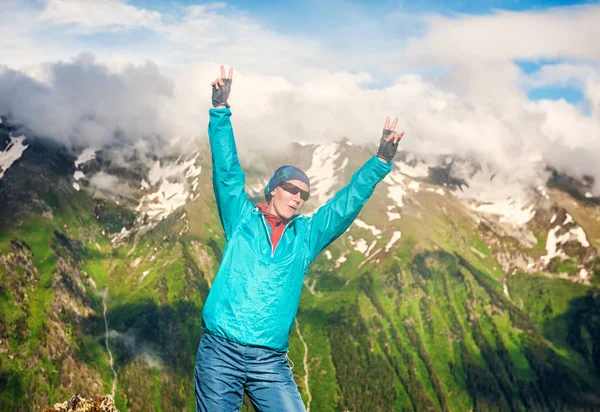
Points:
(272, 217)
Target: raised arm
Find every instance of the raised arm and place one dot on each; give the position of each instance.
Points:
(228, 177)
(333, 218)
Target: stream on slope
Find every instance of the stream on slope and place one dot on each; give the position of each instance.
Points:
(114, 384)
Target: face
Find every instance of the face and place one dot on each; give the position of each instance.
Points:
(285, 204)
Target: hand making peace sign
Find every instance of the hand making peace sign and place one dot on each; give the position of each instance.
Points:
(389, 140)
(221, 89)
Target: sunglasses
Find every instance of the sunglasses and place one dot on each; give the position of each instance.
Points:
(293, 189)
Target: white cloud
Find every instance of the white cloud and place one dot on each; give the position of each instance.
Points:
(85, 104)
(564, 32)
(562, 74)
(88, 16)
(290, 87)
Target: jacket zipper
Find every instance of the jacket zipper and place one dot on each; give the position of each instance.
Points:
(264, 220)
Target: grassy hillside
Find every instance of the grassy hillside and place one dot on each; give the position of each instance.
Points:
(433, 323)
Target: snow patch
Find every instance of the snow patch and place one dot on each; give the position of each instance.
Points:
(145, 273)
(306, 143)
(553, 219)
(393, 216)
(419, 170)
(121, 235)
(588, 195)
(439, 191)
(12, 153)
(171, 192)
(477, 252)
(542, 191)
(505, 287)
(323, 171)
(489, 193)
(340, 260)
(376, 232)
(78, 175)
(359, 245)
(396, 193)
(162, 203)
(396, 188)
(583, 273)
(508, 210)
(414, 186)
(568, 219)
(328, 254)
(85, 156)
(371, 246)
(257, 189)
(553, 241)
(192, 170)
(370, 257)
(76, 186)
(395, 237)
(581, 237)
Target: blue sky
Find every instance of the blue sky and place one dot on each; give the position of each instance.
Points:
(352, 36)
(571, 94)
(311, 8)
(508, 80)
(322, 18)
(315, 16)
(334, 24)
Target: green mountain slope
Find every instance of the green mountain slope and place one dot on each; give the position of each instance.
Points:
(442, 318)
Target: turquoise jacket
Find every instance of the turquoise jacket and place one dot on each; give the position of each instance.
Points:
(255, 295)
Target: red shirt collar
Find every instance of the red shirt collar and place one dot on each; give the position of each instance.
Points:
(273, 220)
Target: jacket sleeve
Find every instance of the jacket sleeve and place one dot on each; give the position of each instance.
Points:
(333, 218)
(228, 177)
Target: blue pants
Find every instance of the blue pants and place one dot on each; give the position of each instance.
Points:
(225, 370)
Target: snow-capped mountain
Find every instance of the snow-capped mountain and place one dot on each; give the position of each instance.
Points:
(456, 287)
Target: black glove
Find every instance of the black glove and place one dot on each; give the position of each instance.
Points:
(220, 95)
(387, 150)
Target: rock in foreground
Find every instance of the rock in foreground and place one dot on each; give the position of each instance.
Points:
(78, 403)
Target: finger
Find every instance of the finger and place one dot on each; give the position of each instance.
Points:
(221, 82)
(222, 71)
(399, 137)
(230, 75)
(390, 137)
(394, 123)
(387, 122)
